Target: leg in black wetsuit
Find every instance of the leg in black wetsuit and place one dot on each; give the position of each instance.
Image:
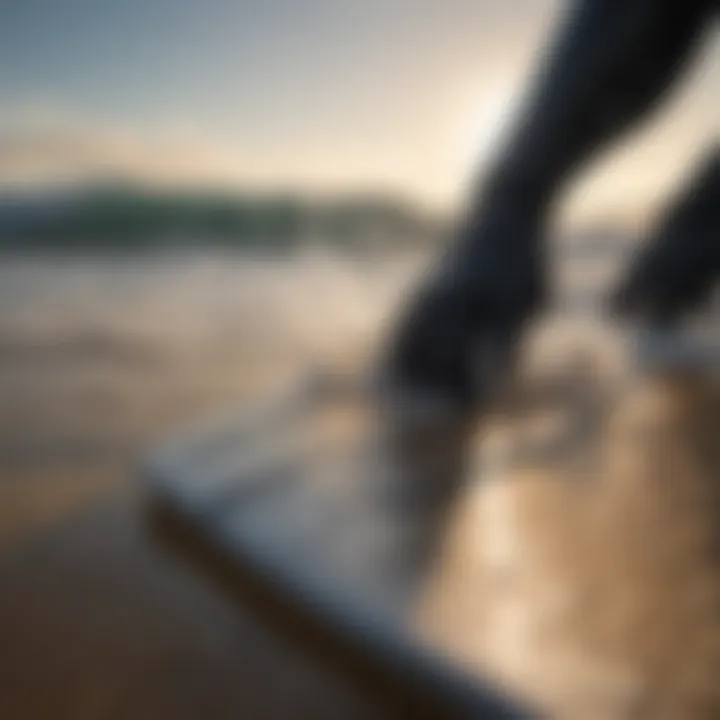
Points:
(676, 269)
(610, 64)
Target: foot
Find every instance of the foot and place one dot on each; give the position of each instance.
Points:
(420, 449)
(672, 347)
(452, 352)
(459, 332)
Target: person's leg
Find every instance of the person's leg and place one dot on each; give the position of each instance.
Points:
(675, 270)
(611, 61)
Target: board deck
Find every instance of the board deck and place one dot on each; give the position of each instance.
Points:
(266, 495)
(433, 607)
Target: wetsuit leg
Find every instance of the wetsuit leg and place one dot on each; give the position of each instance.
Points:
(676, 269)
(607, 67)
(610, 64)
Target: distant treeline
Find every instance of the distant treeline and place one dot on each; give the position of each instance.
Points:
(127, 216)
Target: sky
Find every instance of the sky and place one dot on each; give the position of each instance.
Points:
(321, 96)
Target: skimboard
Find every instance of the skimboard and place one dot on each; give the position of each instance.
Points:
(264, 503)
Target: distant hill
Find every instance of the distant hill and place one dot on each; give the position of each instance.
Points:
(116, 215)
(111, 215)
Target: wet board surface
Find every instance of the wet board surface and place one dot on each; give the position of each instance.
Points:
(489, 601)
(286, 512)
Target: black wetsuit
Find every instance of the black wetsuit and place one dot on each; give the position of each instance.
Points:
(610, 64)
